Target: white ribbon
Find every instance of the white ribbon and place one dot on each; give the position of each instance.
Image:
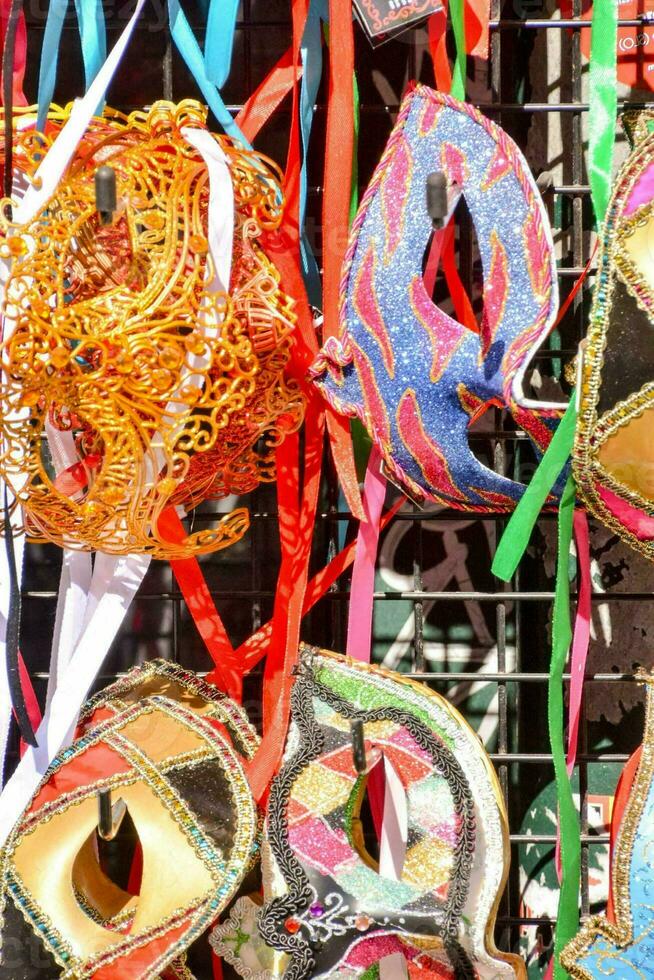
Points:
(220, 239)
(392, 852)
(91, 608)
(115, 591)
(78, 653)
(75, 579)
(53, 165)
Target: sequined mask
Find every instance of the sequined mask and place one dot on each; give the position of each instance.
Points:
(624, 949)
(415, 376)
(613, 461)
(163, 387)
(175, 760)
(328, 911)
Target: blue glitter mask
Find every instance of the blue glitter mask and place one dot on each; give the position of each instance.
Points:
(414, 375)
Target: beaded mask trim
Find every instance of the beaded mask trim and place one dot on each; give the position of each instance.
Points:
(616, 387)
(225, 867)
(329, 908)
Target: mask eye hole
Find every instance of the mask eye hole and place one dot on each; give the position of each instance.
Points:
(455, 249)
(106, 877)
(378, 826)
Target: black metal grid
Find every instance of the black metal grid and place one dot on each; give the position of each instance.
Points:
(243, 578)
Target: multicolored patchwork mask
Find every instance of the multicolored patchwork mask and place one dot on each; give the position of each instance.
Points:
(624, 949)
(164, 679)
(176, 763)
(328, 908)
(613, 461)
(412, 374)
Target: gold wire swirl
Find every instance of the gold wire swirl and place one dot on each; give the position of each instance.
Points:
(106, 340)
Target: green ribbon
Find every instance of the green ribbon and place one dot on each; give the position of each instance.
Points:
(567, 919)
(354, 191)
(601, 128)
(507, 557)
(458, 90)
(518, 531)
(603, 102)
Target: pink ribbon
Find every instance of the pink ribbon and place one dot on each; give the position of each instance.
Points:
(362, 587)
(359, 625)
(580, 644)
(385, 792)
(581, 638)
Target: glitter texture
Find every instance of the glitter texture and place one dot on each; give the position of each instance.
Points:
(400, 364)
(457, 849)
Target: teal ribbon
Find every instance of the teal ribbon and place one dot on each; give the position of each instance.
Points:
(188, 47)
(219, 40)
(50, 57)
(603, 103)
(93, 40)
(93, 37)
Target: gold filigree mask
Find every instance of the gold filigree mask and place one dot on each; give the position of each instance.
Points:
(117, 346)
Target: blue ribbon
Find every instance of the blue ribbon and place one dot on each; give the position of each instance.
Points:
(189, 49)
(93, 36)
(93, 39)
(49, 57)
(219, 40)
(312, 66)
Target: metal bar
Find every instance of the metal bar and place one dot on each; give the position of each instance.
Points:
(536, 24)
(245, 580)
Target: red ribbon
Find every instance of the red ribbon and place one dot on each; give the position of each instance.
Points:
(268, 96)
(20, 55)
(296, 536)
(30, 698)
(227, 673)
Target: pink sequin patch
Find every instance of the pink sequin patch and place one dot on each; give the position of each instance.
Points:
(426, 452)
(454, 163)
(395, 188)
(365, 303)
(320, 846)
(371, 950)
(405, 739)
(373, 403)
(429, 117)
(537, 253)
(448, 831)
(366, 952)
(499, 167)
(642, 192)
(496, 290)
